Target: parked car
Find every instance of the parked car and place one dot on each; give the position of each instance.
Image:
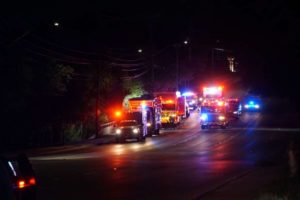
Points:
(17, 179)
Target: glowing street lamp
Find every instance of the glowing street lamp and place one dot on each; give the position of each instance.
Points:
(56, 24)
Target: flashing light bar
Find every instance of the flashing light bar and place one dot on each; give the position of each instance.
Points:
(204, 117)
(220, 103)
(188, 94)
(216, 91)
(252, 106)
(169, 101)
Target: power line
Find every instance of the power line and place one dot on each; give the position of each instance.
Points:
(131, 70)
(72, 50)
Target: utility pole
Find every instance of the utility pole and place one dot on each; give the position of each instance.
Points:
(152, 73)
(213, 55)
(190, 55)
(177, 65)
(97, 101)
(212, 59)
(152, 54)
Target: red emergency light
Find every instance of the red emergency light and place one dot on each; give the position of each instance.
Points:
(220, 103)
(118, 113)
(169, 101)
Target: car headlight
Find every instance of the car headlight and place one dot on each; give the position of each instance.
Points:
(135, 130)
(256, 106)
(221, 118)
(204, 117)
(148, 124)
(246, 106)
(235, 112)
(118, 131)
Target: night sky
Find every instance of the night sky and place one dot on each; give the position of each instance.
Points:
(263, 34)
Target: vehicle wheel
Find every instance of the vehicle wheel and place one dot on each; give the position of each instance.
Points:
(174, 126)
(141, 139)
(119, 140)
(203, 127)
(223, 127)
(157, 132)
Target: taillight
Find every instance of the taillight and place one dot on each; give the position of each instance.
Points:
(32, 181)
(21, 184)
(26, 183)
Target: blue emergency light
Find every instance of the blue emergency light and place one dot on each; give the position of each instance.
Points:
(252, 105)
(204, 116)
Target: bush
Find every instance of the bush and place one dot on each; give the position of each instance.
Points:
(73, 132)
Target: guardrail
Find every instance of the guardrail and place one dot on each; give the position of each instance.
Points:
(104, 129)
(107, 124)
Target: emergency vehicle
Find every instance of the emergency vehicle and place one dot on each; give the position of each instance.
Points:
(211, 117)
(252, 103)
(174, 108)
(141, 119)
(233, 107)
(130, 128)
(191, 100)
(213, 108)
(151, 107)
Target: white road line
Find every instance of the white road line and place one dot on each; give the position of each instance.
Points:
(267, 129)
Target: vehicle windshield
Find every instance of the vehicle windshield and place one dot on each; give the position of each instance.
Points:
(209, 109)
(127, 123)
(168, 106)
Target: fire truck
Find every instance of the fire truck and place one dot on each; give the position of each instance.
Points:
(174, 108)
(151, 108)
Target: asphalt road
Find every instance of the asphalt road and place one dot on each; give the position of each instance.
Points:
(186, 163)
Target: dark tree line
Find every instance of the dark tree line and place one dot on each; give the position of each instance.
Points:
(46, 102)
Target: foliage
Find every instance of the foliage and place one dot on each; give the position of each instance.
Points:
(50, 97)
(134, 88)
(103, 118)
(73, 132)
(60, 76)
(107, 80)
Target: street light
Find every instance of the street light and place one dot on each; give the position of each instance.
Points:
(56, 24)
(140, 50)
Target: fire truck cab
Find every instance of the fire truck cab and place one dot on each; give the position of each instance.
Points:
(174, 108)
(151, 107)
